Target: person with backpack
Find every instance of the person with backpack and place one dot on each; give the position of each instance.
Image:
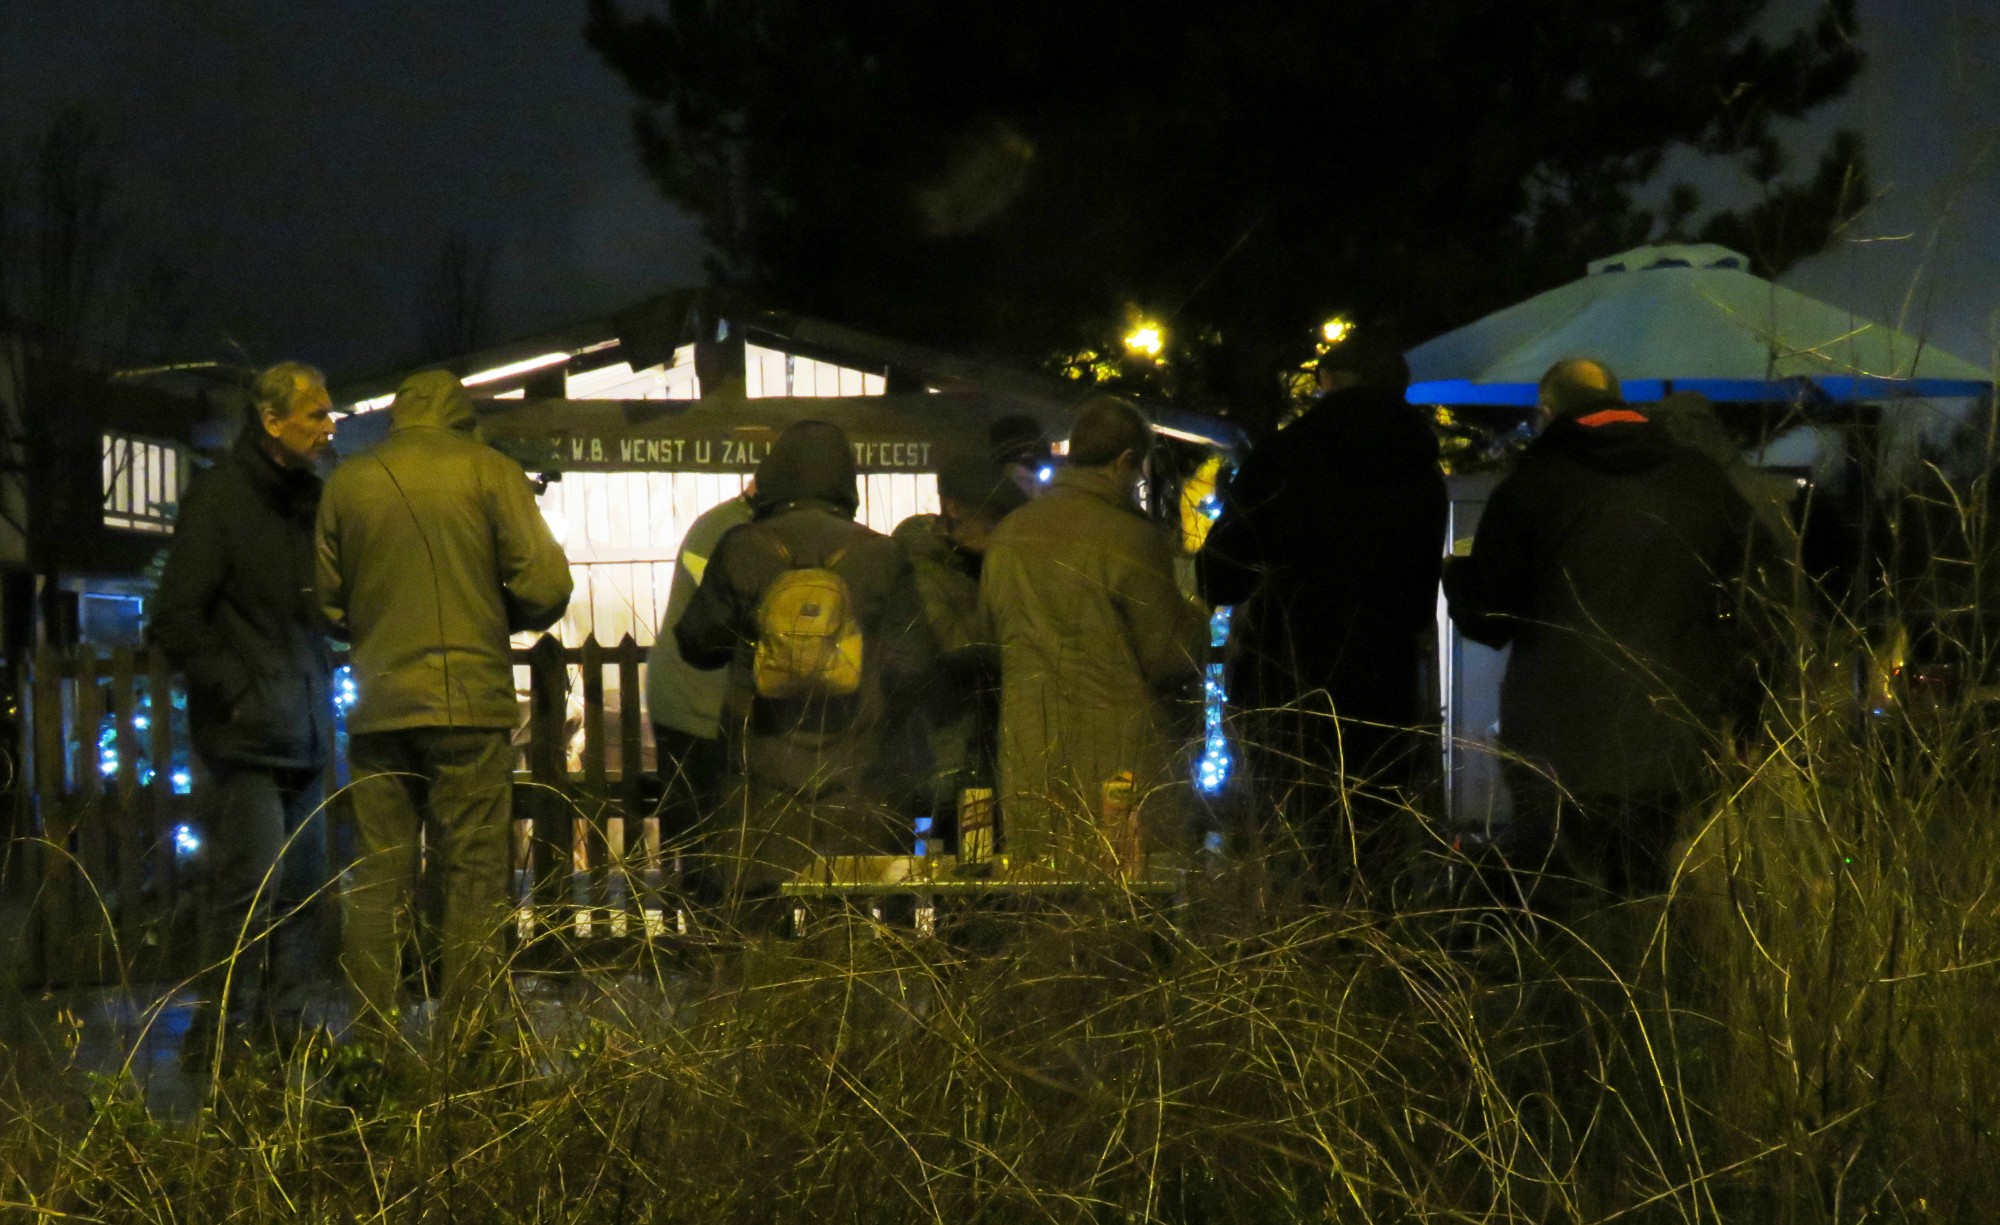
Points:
(814, 616)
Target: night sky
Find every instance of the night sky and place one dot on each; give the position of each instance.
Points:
(305, 170)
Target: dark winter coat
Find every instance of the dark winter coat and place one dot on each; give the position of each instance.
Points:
(235, 612)
(1097, 644)
(950, 726)
(431, 553)
(807, 766)
(1610, 560)
(1331, 538)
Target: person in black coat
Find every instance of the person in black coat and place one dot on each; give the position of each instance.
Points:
(1610, 560)
(236, 613)
(1330, 541)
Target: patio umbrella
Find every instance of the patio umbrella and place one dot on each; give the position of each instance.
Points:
(1686, 318)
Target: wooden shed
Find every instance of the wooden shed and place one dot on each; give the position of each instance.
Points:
(641, 421)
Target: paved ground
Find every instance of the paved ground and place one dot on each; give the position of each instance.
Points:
(64, 1039)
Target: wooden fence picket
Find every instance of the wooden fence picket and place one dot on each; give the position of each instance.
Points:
(592, 822)
(49, 764)
(92, 809)
(121, 816)
(108, 838)
(159, 805)
(553, 846)
(631, 755)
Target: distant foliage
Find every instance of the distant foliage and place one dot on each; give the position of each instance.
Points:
(1002, 179)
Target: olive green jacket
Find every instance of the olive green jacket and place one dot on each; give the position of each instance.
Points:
(431, 552)
(948, 726)
(1098, 645)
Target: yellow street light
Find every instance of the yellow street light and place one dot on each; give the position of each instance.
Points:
(1146, 338)
(1336, 329)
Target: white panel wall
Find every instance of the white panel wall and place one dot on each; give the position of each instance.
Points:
(769, 372)
(621, 531)
(618, 381)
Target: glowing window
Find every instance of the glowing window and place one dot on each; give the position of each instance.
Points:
(143, 480)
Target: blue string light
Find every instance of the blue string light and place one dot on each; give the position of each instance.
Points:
(1211, 772)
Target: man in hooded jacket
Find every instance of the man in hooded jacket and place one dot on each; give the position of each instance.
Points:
(431, 553)
(1097, 643)
(1330, 543)
(1610, 560)
(804, 767)
(235, 612)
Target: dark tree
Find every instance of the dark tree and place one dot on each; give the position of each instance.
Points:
(81, 292)
(457, 305)
(1015, 177)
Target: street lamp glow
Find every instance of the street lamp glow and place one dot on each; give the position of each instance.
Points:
(1147, 338)
(1336, 329)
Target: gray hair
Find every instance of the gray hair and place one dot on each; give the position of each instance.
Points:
(277, 388)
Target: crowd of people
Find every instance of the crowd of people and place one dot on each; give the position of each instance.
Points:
(1018, 674)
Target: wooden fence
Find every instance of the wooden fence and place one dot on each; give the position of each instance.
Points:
(115, 864)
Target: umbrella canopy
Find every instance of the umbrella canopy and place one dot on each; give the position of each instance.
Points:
(1685, 318)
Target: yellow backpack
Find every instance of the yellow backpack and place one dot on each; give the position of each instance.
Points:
(808, 639)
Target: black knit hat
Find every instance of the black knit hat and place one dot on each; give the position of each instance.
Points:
(1371, 358)
(1017, 439)
(977, 481)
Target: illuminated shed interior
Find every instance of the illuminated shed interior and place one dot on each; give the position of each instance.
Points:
(642, 421)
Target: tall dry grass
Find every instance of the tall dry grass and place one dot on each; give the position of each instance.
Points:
(1801, 1032)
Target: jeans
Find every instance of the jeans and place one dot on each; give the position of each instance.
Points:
(262, 932)
(692, 770)
(442, 795)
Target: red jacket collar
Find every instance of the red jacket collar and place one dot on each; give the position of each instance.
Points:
(1611, 416)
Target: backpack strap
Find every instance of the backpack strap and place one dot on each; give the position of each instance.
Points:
(791, 562)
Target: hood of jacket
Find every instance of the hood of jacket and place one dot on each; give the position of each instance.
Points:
(1611, 438)
(810, 461)
(432, 399)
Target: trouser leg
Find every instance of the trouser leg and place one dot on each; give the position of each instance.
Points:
(1569, 854)
(691, 770)
(246, 831)
(1639, 859)
(1366, 837)
(1336, 792)
(298, 939)
(472, 808)
(1540, 814)
(387, 795)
